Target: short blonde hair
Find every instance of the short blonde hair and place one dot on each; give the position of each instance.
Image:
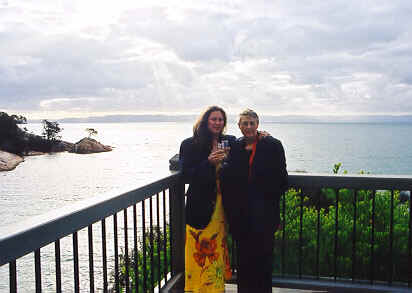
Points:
(249, 113)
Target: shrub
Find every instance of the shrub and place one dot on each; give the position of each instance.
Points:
(138, 255)
(295, 201)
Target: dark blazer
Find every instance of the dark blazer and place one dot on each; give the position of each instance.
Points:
(269, 180)
(201, 176)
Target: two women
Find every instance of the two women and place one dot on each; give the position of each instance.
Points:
(252, 178)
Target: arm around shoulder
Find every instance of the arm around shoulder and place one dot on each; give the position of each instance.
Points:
(283, 173)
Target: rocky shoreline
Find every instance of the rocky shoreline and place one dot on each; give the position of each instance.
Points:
(9, 161)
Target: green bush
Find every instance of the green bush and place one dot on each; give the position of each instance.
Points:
(157, 246)
(297, 200)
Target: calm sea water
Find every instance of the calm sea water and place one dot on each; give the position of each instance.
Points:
(142, 151)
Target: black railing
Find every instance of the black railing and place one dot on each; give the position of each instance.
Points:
(332, 229)
(156, 261)
(339, 229)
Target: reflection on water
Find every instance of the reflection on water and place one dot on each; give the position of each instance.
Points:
(25, 265)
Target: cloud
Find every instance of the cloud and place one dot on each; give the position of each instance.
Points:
(282, 57)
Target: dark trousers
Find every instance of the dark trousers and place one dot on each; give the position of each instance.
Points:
(255, 249)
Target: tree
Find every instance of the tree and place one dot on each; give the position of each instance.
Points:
(12, 138)
(19, 119)
(51, 130)
(91, 131)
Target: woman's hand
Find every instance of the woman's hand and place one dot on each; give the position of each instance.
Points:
(216, 156)
(262, 134)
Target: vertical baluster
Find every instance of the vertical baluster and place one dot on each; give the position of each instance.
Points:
(283, 233)
(151, 246)
(233, 255)
(58, 266)
(391, 243)
(144, 247)
(76, 263)
(136, 259)
(355, 194)
(126, 250)
(165, 238)
(170, 233)
(318, 236)
(116, 255)
(37, 270)
(410, 240)
(13, 276)
(335, 261)
(300, 232)
(104, 256)
(158, 240)
(372, 269)
(91, 261)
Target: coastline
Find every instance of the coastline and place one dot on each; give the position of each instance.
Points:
(9, 161)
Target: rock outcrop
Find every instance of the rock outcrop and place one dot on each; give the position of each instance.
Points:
(62, 146)
(88, 146)
(9, 161)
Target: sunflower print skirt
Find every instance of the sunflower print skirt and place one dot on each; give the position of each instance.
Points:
(206, 255)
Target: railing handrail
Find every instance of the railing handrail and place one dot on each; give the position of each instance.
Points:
(351, 181)
(22, 238)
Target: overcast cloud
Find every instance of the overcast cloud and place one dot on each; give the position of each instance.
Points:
(81, 58)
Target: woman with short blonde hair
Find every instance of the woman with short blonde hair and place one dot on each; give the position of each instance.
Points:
(252, 181)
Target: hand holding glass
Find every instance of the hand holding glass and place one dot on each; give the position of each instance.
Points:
(224, 145)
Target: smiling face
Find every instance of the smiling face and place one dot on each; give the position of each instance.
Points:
(248, 125)
(215, 123)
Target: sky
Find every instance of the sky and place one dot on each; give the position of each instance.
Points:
(81, 58)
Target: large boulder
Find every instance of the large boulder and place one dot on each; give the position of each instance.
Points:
(88, 146)
(9, 161)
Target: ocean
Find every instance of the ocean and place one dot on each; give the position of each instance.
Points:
(142, 151)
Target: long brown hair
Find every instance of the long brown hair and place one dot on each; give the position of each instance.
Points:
(201, 133)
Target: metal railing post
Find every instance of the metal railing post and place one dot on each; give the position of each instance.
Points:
(177, 227)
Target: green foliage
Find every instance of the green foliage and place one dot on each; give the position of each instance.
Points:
(336, 168)
(19, 119)
(361, 261)
(12, 138)
(51, 130)
(158, 246)
(19, 141)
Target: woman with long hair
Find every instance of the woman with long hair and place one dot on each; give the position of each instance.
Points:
(206, 254)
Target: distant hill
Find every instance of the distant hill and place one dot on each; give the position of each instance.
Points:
(126, 118)
(233, 118)
(339, 119)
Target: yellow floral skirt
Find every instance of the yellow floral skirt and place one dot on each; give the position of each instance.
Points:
(206, 255)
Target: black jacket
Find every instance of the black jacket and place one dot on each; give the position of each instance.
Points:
(201, 177)
(269, 179)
